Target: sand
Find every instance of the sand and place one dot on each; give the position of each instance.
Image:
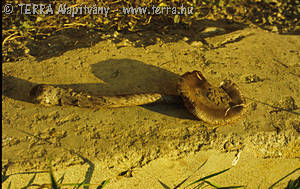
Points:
(135, 147)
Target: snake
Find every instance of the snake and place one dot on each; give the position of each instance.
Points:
(215, 105)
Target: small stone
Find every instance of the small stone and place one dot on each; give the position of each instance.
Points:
(275, 29)
(39, 19)
(185, 39)
(252, 78)
(213, 30)
(116, 34)
(197, 44)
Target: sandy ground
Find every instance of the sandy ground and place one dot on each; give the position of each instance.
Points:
(136, 146)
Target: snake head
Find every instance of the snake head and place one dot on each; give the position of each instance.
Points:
(45, 94)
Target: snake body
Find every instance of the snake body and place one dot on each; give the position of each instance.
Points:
(214, 105)
(49, 95)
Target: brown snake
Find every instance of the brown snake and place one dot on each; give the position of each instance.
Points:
(214, 105)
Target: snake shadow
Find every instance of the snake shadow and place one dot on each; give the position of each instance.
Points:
(128, 76)
(116, 77)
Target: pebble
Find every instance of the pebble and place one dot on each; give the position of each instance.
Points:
(252, 78)
(196, 44)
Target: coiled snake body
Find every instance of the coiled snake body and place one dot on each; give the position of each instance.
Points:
(214, 105)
